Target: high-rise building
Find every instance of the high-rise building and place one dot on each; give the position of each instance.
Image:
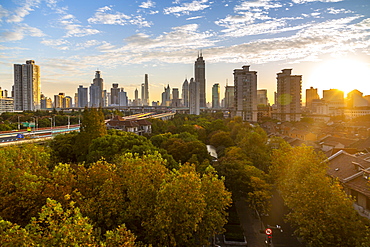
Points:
(58, 100)
(185, 93)
(114, 94)
(289, 94)
(194, 106)
(166, 96)
(262, 97)
(136, 101)
(145, 97)
(216, 95)
(311, 94)
(245, 94)
(67, 102)
(355, 99)
(200, 78)
(97, 98)
(123, 99)
(82, 96)
(176, 101)
(334, 99)
(45, 102)
(27, 86)
(229, 97)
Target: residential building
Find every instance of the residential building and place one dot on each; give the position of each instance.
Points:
(67, 102)
(27, 86)
(216, 95)
(123, 99)
(229, 97)
(58, 100)
(82, 97)
(289, 88)
(245, 94)
(194, 105)
(334, 98)
(311, 95)
(185, 93)
(45, 102)
(200, 78)
(137, 126)
(262, 97)
(97, 91)
(355, 99)
(6, 104)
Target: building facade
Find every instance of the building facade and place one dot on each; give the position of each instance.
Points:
(114, 94)
(27, 86)
(311, 95)
(200, 78)
(97, 91)
(229, 97)
(82, 97)
(194, 105)
(145, 98)
(185, 93)
(216, 95)
(245, 94)
(288, 96)
(262, 97)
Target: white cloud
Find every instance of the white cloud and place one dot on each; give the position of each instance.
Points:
(75, 30)
(20, 31)
(252, 5)
(3, 13)
(338, 11)
(26, 7)
(54, 42)
(106, 15)
(308, 1)
(194, 18)
(186, 8)
(148, 4)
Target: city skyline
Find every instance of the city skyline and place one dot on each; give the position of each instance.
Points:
(325, 41)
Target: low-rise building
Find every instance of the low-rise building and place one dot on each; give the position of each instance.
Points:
(137, 126)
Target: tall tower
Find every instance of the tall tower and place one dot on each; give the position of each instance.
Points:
(216, 95)
(185, 93)
(245, 94)
(229, 97)
(200, 78)
(194, 107)
(27, 86)
(146, 91)
(289, 88)
(97, 91)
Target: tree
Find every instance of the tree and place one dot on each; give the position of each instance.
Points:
(92, 127)
(320, 210)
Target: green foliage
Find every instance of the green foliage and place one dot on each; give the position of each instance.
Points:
(321, 211)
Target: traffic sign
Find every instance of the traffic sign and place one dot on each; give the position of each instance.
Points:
(268, 231)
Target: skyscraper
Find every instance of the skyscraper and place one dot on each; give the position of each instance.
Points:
(58, 100)
(114, 94)
(185, 93)
(200, 78)
(123, 99)
(166, 96)
(245, 94)
(27, 86)
(82, 96)
(229, 97)
(145, 97)
(216, 95)
(194, 107)
(289, 88)
(176, 101)
(262, 97)
(97, 91)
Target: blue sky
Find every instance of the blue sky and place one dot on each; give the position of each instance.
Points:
(325, 41)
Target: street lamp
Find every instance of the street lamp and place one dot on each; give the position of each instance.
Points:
(51, 126)
(68, 121)
(19, 126)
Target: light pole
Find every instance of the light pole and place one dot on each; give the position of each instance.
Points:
(19, 126)
(68, 121)
(51, 126)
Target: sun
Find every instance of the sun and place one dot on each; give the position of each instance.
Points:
(343, 74)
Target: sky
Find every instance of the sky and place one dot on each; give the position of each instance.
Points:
(325, 41)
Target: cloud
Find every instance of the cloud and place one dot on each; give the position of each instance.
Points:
(19, 32)
(252, 5)
(60, 44)
(194, 18)
(338, 11)
(308, 1)
(3, 13)
(68, 22)
(148, 4)
(186, 8)
(26, 7)
(106, 15)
